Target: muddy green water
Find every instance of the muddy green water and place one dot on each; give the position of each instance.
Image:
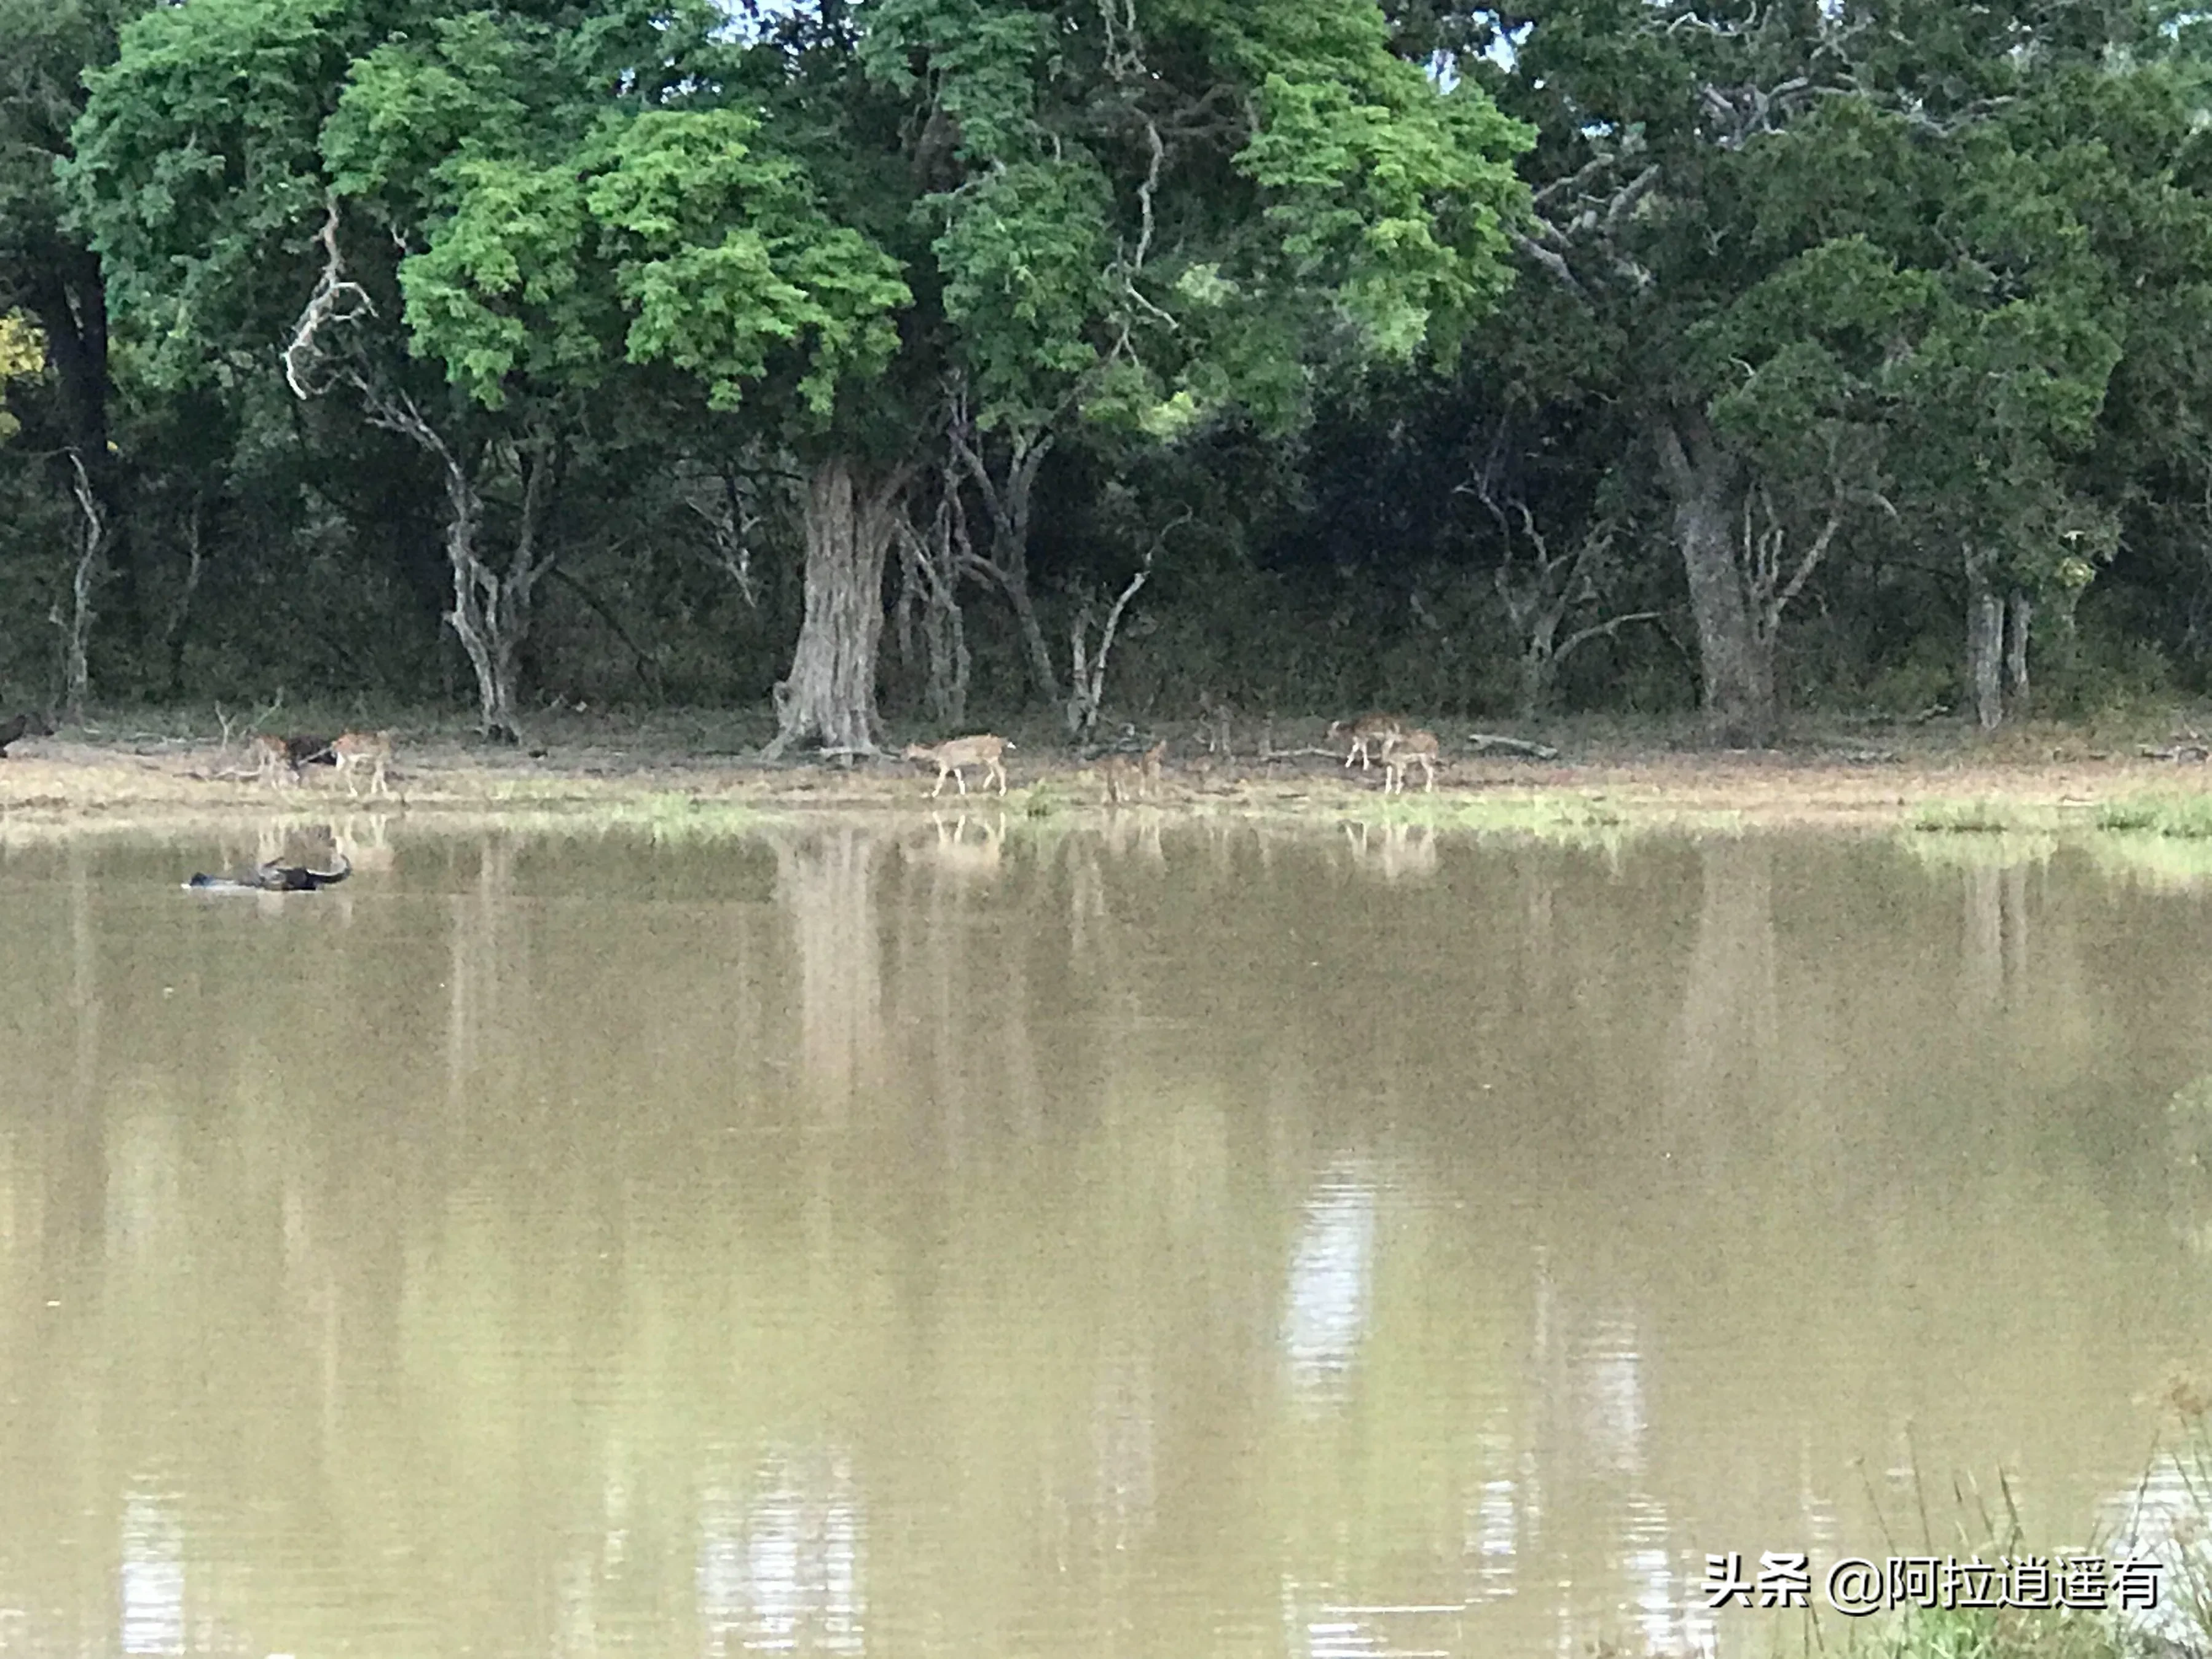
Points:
(1162, 1241)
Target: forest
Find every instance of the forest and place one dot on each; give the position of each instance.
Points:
(900, 364)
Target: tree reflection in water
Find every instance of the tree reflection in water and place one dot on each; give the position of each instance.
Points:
(991, 1234)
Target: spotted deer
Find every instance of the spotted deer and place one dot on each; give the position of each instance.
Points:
(1150, 764)
(953, 758)
(272, 760)
(1368, 733)
(1407, 749)
(1137, 775)
(358, 749)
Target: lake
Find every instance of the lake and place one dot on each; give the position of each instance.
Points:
(975, 1238)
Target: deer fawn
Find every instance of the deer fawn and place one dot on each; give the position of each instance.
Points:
(1407, 749)
(1138, 774)
(952, 757)
(1121, 777)
(272, 760)
(359, 749)
(1365, 733)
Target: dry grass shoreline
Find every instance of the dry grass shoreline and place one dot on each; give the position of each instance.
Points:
(157, 771)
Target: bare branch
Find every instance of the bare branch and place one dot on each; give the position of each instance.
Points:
(1625, 199)
(84, 576)
(1591, 170)
(1553, 263)
(1606, 629)
(336, 303)
(731, 522)
(1146, 192)
(1087, 676)
(1814, 554)
(1690, 20)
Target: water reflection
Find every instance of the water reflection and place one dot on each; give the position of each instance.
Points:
(825, 884)
(1331, 1278)
(1729, 1012)
(152, 1575)
(780, 1566)
(1394, 852)
(978, 1236)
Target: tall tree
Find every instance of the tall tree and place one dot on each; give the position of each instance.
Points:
(1130, 217)
(515, 208)
(1855, 290)
(48, 272)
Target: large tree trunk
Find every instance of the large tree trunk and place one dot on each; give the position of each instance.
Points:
(1737, 665)
(491, 613)
(1984, 648)
(68, 297)
(1997, 629)
(84, 578)
(1014, 578)
(1536, 677)
(2020, 617)
(470, 619)
(1535, 610)
(831, 693)
(1087, 675)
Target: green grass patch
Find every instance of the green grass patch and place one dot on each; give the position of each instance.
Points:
(1983, 1633)
(1567, 819)
(2001, 851)
(671, 818)
(2162, 861)
(1968, 818)
(1043, 800)
(2180, 818)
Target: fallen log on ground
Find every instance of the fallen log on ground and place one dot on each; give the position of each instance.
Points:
(1486, 742)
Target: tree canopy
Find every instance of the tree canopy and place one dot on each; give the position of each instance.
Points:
(1415, 353)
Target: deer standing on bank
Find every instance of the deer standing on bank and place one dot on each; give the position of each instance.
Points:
(358, 749)
(272, 760)
(1409, 750)
(1134, 775)
(952, 759)
(1366, 732)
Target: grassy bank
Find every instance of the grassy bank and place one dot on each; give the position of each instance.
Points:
(171, 766)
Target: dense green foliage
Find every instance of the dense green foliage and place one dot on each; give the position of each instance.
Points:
(1598, 353)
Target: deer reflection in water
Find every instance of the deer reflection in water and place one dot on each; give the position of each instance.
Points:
(1395, 851)
(955, 852)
